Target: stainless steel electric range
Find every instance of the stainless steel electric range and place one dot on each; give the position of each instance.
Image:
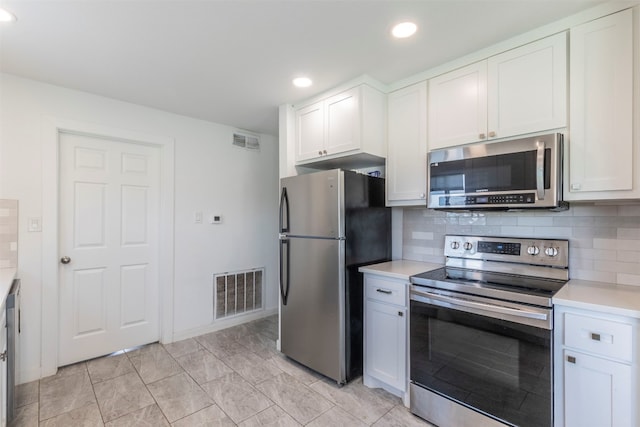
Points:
(481, 341)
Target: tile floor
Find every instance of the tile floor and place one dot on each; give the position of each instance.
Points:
(234, 377)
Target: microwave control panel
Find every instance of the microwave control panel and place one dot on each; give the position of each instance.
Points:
(494, 199)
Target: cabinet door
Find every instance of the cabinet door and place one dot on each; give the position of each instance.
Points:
(343, 122)
(3, 370)
(385, 343)
(601, 152)
(310, 131)
(527, 88)
(458, 106)
(406, 166)
(597, 392)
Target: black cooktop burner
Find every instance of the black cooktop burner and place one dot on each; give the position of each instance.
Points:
(499, 285)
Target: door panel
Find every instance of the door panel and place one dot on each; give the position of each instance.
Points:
(312, 330)
(109, 212)
(315, 202)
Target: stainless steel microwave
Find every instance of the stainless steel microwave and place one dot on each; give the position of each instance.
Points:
(516, 174)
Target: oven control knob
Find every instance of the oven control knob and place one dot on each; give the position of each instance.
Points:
(551, 251)
(455, 245)
(467, 246)
(533, 250)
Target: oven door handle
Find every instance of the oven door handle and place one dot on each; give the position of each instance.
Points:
(451, 302)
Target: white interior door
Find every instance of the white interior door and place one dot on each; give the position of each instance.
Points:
(109, 218)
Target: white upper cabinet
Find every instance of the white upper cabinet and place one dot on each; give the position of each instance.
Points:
(458, 106)
(527, 89)
(406, 166)
(350, 123)
(602, 151)
(520, 91)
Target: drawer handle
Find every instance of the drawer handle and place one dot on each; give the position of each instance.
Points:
(595, 337)
(400, 314)
(571, 359)
(384, 291)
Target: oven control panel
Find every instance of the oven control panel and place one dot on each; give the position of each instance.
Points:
(548, 252)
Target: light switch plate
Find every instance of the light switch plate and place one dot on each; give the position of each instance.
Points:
(34, 224)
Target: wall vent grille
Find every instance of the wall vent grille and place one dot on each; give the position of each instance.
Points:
(250, 142)
(238, 293)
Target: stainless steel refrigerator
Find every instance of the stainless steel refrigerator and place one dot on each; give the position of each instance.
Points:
(331, 223)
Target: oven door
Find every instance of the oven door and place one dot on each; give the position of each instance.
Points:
(465, 350)
(519, 173)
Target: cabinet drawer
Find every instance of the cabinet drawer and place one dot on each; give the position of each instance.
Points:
(389, 291)
(600, 336)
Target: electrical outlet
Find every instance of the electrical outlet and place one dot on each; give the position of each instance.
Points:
(215, 219)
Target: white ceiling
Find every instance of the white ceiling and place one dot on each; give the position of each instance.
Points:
(232, 62)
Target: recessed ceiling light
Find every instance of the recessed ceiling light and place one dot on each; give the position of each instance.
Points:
(6, 16)
(302, 82)
(404, 30)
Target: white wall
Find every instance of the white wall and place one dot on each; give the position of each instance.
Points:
(211, 176)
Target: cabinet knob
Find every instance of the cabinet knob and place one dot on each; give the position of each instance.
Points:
(595, 337)
(3, 356)
(576, 187)
(571, 359)
(482, 136)
(320, 153)
(324, 151)
(422, 195)
(492, 134)
(65, 260)
(400, 314)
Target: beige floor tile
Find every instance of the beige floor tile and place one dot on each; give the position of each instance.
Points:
(26, 416)
(149, 416)
(300, 372)
(66, 371)
(154, 363)
(122, 395)
(87, 416)
(261, 345)
(236, 397)
(211, 416)
(336, 417)
(273, 416)
(203, 366)
(220, 345)
(65, 393)
(108, 367)
(179, 396)
(252, 367)
(180, 348)
(400, 416)
(298, 400)
(28, 393)
(366, 404)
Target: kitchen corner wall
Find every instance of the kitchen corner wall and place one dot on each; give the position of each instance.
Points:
(604, 241)
(211, 176)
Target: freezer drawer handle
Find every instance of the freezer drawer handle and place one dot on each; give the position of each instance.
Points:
(384, 291)
(284, 272)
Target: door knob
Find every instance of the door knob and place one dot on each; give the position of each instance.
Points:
(65, 260)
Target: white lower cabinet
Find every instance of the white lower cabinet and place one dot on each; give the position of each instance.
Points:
(596, 369)
(385, 334)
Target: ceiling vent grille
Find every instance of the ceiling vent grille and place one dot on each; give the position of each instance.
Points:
(248, 141)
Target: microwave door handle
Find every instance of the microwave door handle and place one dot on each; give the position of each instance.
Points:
(540, 170)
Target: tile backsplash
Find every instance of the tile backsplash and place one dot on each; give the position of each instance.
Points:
(604, 241)
(8, 233)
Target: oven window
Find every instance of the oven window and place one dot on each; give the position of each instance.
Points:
(505, 172)
(500, 368)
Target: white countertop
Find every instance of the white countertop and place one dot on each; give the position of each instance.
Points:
(622, 300)
(399, 269)
(6, 279)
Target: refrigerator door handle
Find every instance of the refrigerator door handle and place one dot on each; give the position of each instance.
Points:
(284, 272)
(284, 204)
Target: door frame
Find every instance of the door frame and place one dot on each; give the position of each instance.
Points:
(51, 129)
